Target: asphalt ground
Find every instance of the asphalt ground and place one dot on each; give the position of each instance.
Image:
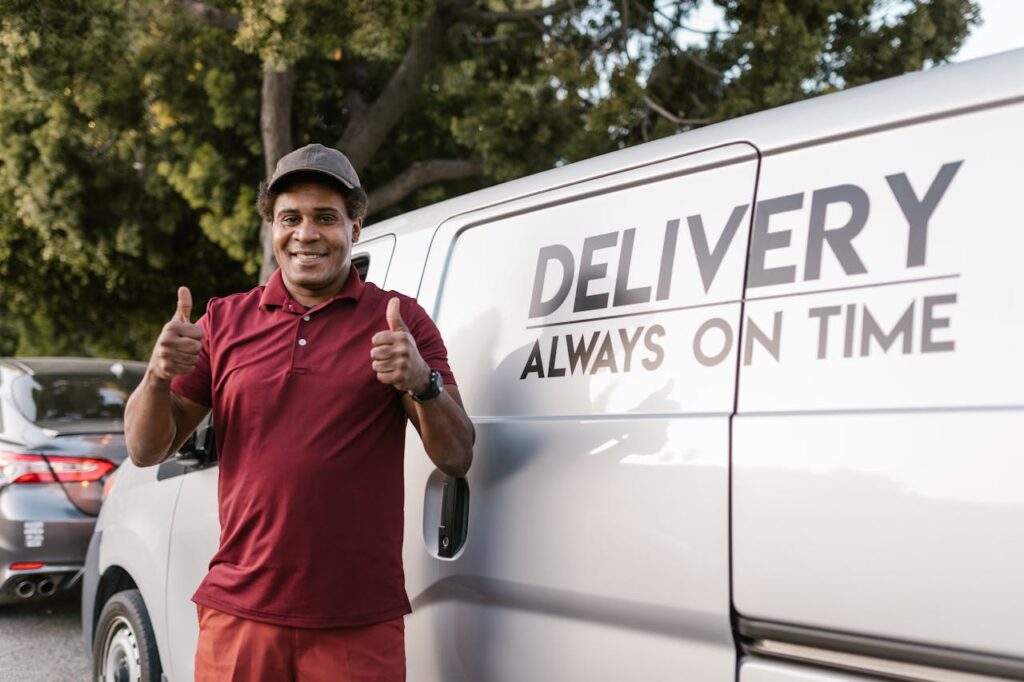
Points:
(43, 641)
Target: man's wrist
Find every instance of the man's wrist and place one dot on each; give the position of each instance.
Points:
(423, 383)
(432, 389)
(157, 382)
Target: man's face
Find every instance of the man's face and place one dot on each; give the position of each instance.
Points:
(313, 239)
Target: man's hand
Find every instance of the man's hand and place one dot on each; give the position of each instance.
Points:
(156, 420)
(177, 348)
(396, 359)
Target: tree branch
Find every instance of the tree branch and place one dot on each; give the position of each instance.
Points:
(420, 174)
(210, 15)
(668, 115)
(493, 40)
(485, 17)
(365, 132)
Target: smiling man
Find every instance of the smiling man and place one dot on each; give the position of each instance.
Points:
(311, 379)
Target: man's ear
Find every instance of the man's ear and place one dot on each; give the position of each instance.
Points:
(357, 227)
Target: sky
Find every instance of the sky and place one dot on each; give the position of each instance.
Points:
(1002, 29)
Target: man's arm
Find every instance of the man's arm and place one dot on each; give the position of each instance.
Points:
(156, 420)
(445, 428)
(442, 422)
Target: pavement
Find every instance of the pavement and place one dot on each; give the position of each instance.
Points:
(43, 641)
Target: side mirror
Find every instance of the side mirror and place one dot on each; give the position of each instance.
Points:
(200, 448)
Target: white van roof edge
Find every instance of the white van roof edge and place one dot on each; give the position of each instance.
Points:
(907, 97)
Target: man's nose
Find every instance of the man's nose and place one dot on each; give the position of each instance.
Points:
(307, 231)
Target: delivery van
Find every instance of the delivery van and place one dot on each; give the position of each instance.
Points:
(749, 405)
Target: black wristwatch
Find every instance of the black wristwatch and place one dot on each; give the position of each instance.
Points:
(434, 388)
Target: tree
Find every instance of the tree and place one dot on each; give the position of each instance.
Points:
(136, 133)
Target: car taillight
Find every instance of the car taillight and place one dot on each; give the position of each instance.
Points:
(108, 484)
(21, 468)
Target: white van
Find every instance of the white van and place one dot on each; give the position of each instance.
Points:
(748, 404)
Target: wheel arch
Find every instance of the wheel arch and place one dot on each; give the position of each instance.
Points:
(115, 579)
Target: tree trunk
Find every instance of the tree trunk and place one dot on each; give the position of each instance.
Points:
(276, 127)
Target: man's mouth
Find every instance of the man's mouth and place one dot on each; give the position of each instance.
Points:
(307, 257)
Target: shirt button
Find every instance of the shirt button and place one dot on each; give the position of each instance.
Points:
(302, 342)
(306, 318)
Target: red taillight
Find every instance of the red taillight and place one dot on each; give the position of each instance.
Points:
(108, 485)
(27, 566)
(20, 468)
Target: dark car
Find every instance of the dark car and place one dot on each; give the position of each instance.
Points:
(61, 436)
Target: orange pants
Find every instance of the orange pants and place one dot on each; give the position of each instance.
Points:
(232, 648)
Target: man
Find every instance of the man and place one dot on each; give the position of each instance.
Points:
(311, 379)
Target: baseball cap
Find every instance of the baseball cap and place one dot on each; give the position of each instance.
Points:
(318, 159)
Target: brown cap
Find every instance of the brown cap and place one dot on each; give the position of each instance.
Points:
(316, 158)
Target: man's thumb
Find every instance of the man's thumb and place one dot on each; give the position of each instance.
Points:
(184, 304)
(394, 315)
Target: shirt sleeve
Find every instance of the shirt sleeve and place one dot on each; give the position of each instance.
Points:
(428, 339)
(198, 385)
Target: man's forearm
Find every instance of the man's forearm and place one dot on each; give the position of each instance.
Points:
(149, 426)
(447, 434)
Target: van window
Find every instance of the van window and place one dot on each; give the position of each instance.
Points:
(362, 265)
(372, 258)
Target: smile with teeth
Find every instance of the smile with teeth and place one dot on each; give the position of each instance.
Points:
(307, 257)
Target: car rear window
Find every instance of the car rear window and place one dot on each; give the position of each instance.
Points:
(62, 398)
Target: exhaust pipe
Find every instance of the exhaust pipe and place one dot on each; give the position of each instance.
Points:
(46, 587)
(25, 589)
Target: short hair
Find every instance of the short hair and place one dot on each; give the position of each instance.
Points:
(356, 201)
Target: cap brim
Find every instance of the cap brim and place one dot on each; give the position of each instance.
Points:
(276, 181)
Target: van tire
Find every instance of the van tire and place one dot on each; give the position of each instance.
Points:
(125, 647)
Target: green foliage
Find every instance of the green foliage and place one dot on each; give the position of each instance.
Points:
(132, 144)
(91, 236)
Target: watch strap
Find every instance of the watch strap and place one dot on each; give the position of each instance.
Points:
(434, 388)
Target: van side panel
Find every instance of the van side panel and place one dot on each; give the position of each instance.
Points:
(598, 532)
(877, 460)
(753, 670)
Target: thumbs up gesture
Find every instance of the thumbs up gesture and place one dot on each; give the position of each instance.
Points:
(396, 359)
(177, 348)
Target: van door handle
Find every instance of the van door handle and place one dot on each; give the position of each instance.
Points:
(451, 534)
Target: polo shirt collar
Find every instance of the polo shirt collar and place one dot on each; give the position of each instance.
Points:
(275, 294)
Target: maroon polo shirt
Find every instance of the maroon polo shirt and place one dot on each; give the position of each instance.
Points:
(310, 447)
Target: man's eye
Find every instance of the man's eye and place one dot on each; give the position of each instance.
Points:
(327, 219)
(289, 220)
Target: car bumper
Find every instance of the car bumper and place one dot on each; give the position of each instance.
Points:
(39, 525)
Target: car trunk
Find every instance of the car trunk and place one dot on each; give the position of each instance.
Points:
(76, 413)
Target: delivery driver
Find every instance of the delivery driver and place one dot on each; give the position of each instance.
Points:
(310, 379)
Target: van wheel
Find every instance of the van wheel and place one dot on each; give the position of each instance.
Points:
(125, 648)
